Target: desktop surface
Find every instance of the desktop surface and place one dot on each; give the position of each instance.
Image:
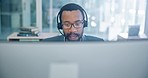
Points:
(125, 59)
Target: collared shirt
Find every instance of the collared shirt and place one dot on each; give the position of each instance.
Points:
(61, 38)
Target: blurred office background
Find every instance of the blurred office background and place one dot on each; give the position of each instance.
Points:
(107, 18)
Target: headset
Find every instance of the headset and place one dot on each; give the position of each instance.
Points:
(70, 7)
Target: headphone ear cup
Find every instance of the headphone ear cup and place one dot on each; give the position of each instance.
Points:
(59, 26)
(85, 23)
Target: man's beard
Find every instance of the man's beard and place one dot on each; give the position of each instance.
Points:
(67, 36)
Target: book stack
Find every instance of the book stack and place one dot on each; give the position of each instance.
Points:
(28, 31)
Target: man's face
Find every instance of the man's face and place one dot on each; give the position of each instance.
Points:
(72, 25)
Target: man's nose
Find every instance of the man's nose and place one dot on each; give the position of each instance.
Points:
(72, 29)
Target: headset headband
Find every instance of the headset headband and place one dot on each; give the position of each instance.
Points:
(70, 7)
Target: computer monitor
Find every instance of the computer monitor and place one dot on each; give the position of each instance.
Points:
(124, 59)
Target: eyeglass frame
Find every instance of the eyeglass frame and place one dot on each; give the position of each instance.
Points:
(69, 25)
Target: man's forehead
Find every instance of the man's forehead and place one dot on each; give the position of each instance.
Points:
(72, 15)
(73, 12)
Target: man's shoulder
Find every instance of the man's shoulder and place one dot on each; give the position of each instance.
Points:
(55, 38)
(92, 38)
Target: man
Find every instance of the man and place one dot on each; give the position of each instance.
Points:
(72, 19)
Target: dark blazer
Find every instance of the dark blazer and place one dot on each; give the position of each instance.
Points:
(61, 38)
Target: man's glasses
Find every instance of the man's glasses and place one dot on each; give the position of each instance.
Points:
(78, 24)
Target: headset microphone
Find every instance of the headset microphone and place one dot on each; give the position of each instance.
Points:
(61, 32)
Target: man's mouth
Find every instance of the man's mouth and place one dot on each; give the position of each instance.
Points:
(73, 36)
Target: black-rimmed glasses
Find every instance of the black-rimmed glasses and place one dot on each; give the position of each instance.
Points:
(77, 24)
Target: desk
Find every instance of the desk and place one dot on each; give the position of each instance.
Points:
(14, 37)
(123, 36)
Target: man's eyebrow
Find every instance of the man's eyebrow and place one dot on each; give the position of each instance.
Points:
(78, 20)
(66, 22)
(69, 21)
